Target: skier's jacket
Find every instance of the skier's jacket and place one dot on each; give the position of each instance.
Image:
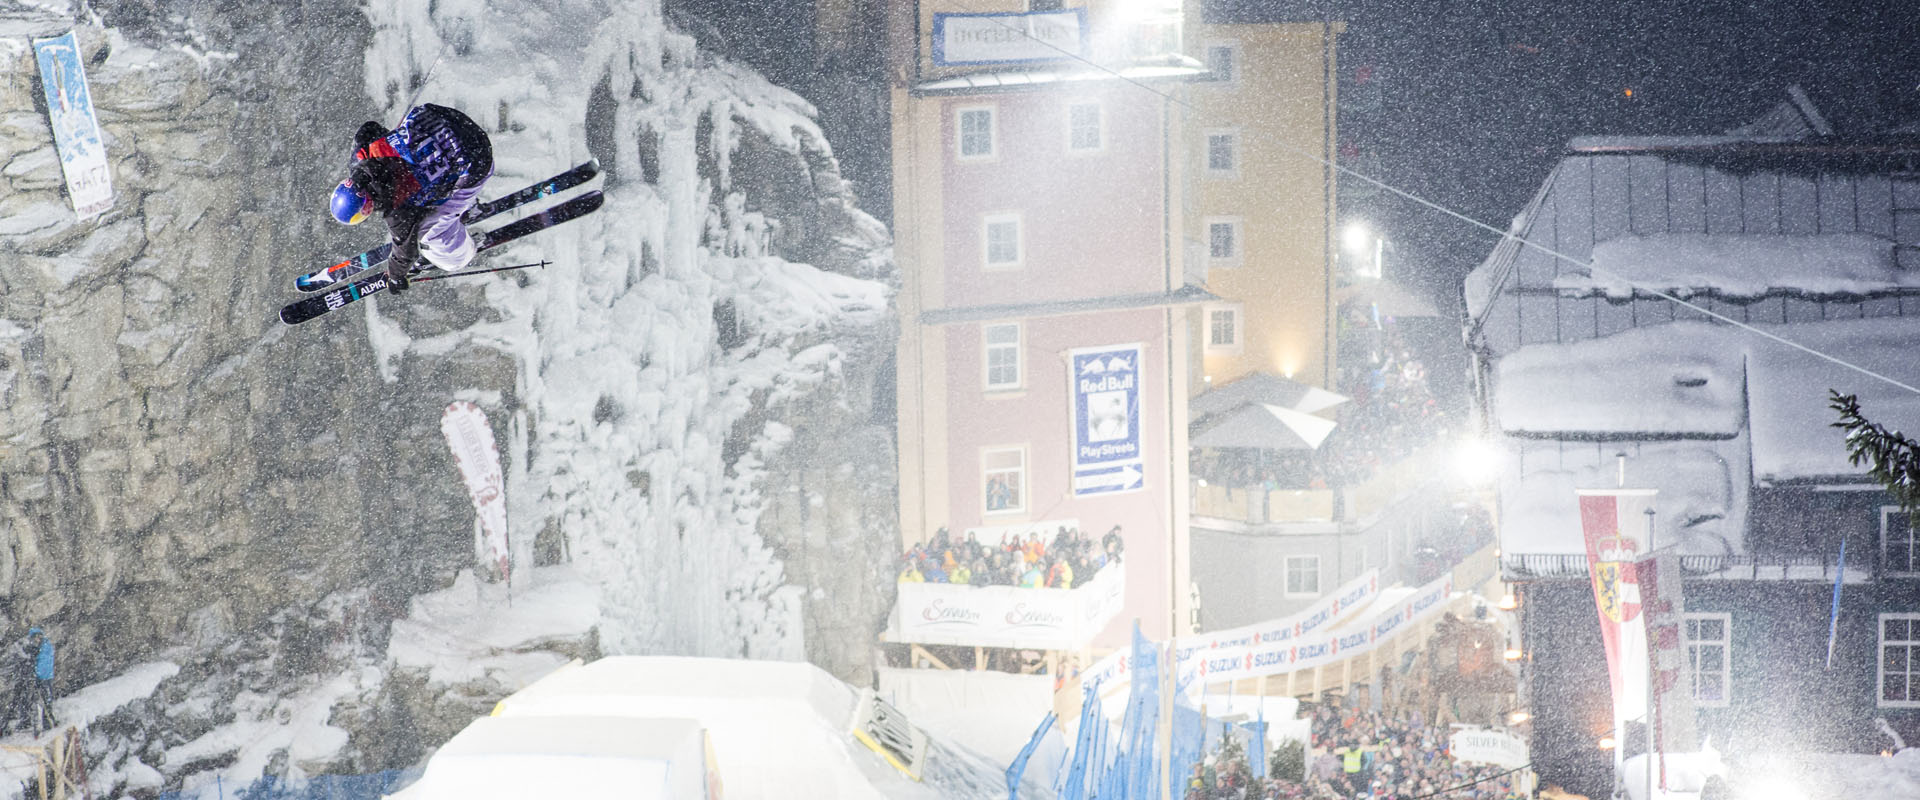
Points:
(444, 150)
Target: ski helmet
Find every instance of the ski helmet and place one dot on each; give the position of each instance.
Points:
(349, 205)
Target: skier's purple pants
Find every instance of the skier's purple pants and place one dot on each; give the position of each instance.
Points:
(444, 241)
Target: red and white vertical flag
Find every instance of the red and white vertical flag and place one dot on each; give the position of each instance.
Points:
(471, 438)
(1663, 606)
(1616, 525)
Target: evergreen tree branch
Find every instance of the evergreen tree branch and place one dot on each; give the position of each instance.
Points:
(1892, 459)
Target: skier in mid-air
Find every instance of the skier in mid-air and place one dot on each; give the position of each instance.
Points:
(422, 176)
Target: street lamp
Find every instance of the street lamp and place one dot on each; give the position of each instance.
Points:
(1360, 240)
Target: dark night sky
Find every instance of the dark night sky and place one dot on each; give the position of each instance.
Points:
(1476, 98)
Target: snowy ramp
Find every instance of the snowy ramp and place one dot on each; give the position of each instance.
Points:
(778, 729)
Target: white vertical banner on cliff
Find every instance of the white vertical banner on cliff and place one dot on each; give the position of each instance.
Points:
(471, 438)
(76, 134)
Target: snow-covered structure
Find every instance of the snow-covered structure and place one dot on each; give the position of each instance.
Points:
(1599, 363)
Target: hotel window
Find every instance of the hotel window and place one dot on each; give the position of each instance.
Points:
(1303, 576)
(1899, 546)
(1002, 342)
(1223, 154)
(974, 129)
(1223, 242)
(1223, 329)
(1223, 62)
(1899, 661)
(1003, 473)
(1001, 241)
(1083, 128)
(1709, 640)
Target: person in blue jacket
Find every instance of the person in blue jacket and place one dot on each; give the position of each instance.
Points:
(422, 176)
(40, 652)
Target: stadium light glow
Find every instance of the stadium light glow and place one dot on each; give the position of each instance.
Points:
(1477, 461)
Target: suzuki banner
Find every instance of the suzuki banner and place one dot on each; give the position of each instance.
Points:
(1355, 638)
(471, 438)
(1617, 525)
(76, 134)
(1008, 616)
(1300, 641)
(1103, 391)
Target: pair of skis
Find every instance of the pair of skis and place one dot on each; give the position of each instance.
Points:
(332, 278)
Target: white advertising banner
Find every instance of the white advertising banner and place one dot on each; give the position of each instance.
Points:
(76, 134)
(1103, 393)
(471, 438)
(1010, 38)
(1300, 641)
(1486, 746)
(1315, 649)
(1008, 616)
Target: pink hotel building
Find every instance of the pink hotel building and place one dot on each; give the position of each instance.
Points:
(1044, 357)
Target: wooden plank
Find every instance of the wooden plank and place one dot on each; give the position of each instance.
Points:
(1760, 203)
(1687, 199)
(1799, 205)
(1837, 213)
(1647, 196)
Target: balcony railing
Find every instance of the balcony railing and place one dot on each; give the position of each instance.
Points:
(1525, 567)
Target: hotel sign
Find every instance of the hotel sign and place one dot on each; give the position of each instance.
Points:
(1104, 399)
(972, 39)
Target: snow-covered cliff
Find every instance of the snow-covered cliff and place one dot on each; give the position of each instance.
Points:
(248, 515)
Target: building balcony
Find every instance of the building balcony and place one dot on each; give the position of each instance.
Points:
(1007, 616)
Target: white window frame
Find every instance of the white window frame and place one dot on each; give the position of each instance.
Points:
(1889, 524)
(1019, 241)
(987, 347)
(1233, 61)
(1206, 153)
(1239, 242)
(1286, 576)
(1689, 644)
(960, 136)
(1100, 127)
(1880, 662)
(1238, 312)
(986, 475)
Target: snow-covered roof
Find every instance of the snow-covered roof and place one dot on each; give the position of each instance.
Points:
(1792, 433)
(1694, 379)
(1675, 380)
(1697, 509)
(1743, 265)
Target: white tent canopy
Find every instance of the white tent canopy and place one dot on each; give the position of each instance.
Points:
(1262, 387)
(1266, 427)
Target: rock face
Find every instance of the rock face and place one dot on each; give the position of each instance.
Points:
(685, 399)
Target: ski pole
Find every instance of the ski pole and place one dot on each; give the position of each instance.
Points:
(463, 273)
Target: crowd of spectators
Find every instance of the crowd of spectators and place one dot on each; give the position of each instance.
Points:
(1392, 414)
(1357, 754)
(1030, 563)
